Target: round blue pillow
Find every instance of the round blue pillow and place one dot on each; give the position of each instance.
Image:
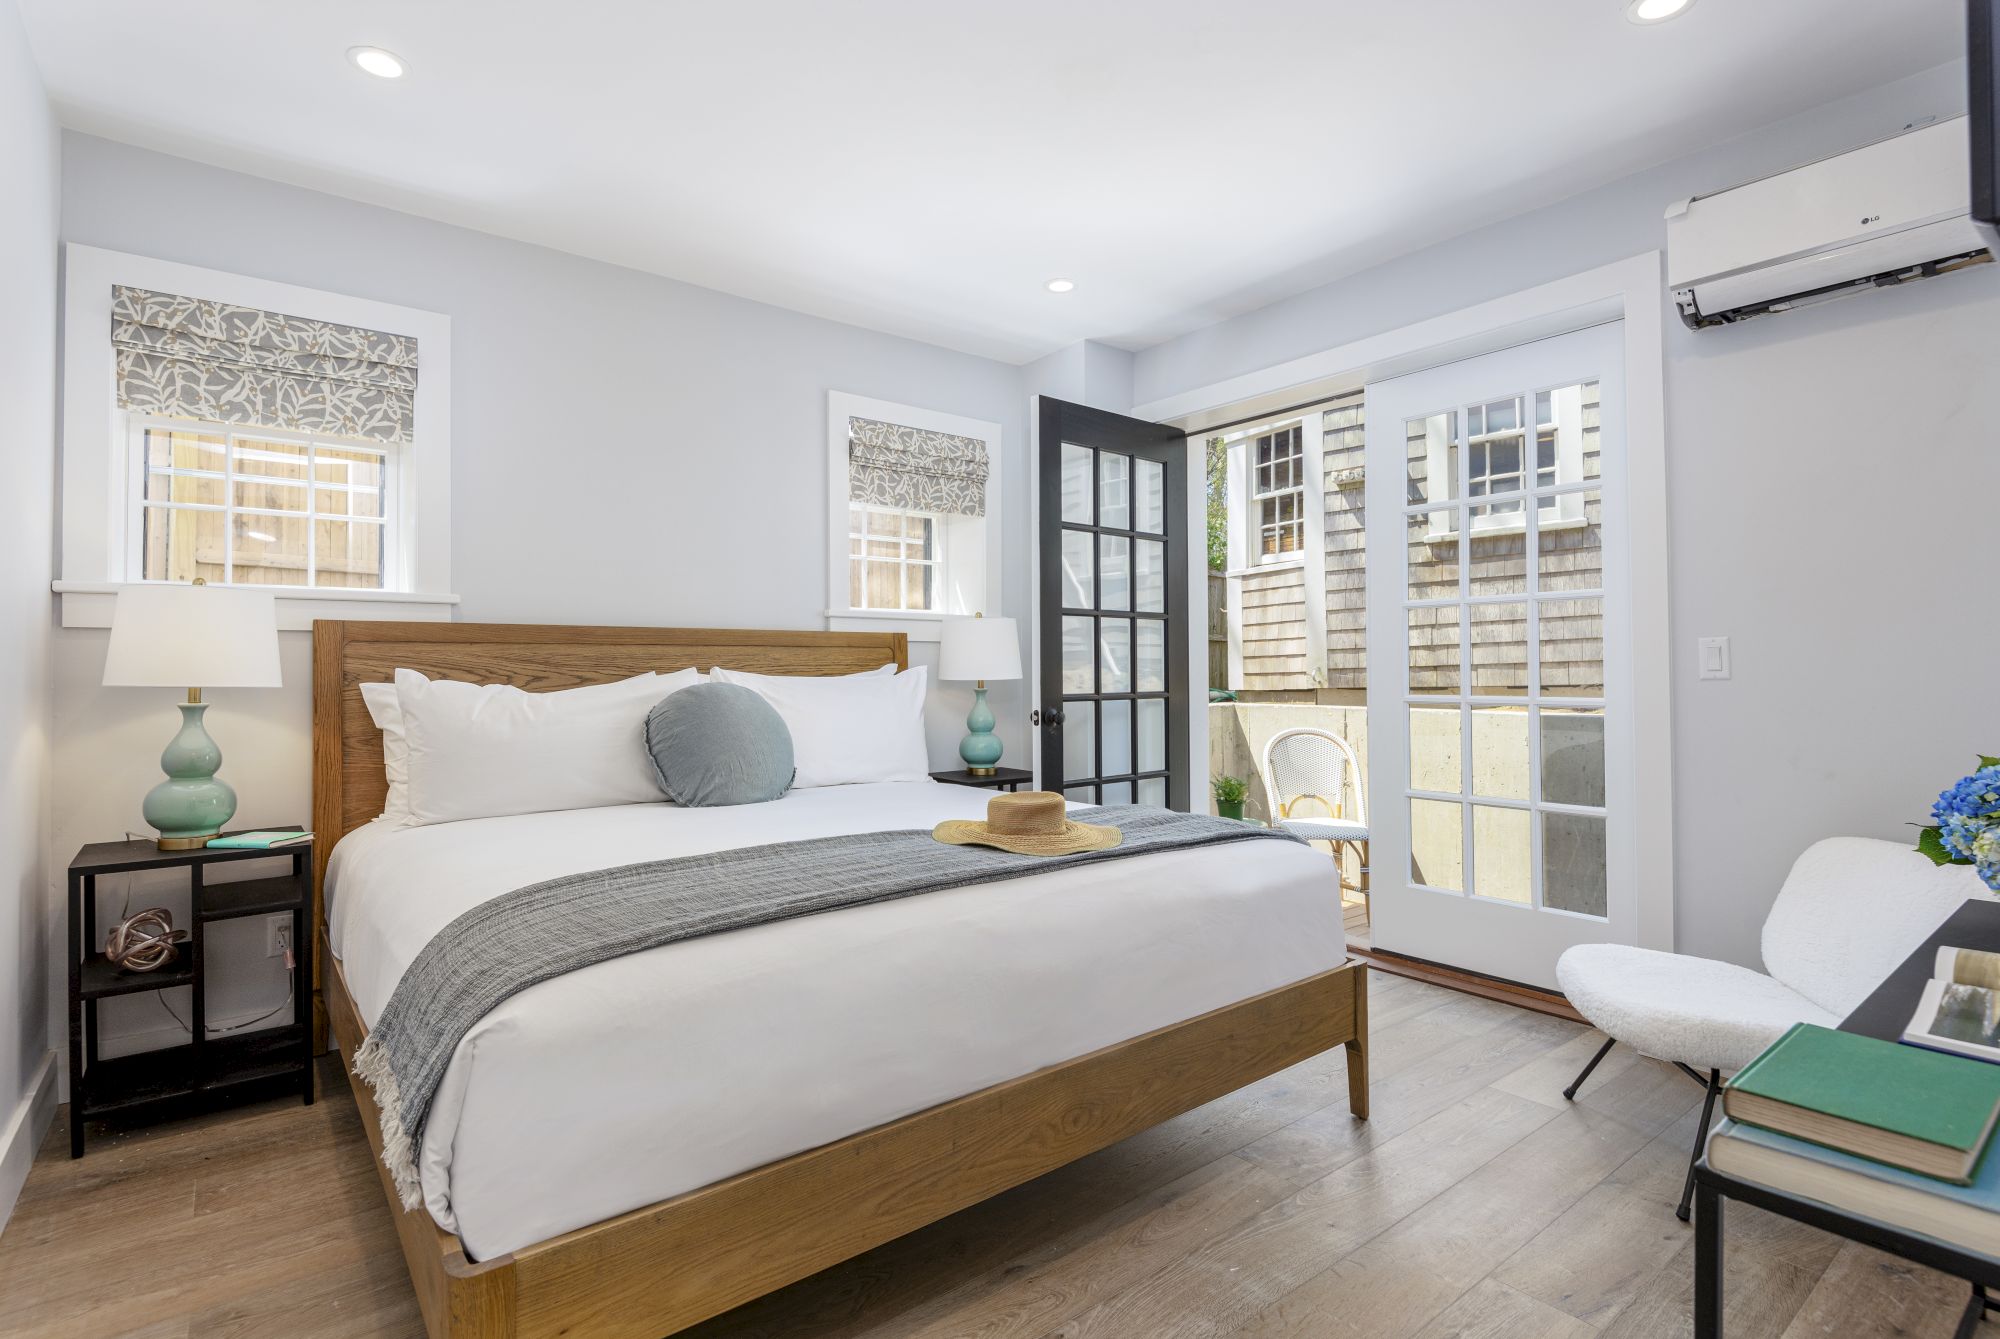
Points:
(719, 743)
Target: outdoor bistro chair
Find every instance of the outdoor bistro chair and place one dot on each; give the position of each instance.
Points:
(1308, 775)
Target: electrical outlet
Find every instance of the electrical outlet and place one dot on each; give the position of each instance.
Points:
(277, 929)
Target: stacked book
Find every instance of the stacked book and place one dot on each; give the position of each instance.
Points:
(1897, 1133)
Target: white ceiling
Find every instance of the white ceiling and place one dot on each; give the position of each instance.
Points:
(923, 166)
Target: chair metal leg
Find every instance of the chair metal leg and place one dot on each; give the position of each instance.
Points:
(1569, 1093)
(1700, 1141)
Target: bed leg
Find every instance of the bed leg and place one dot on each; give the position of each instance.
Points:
(1357, 1046)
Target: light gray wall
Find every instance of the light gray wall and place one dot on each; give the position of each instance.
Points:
(1832, 476)
(28, 166)
(627, 449)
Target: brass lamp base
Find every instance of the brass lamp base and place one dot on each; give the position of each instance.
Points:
(181, 843)
(982, 771)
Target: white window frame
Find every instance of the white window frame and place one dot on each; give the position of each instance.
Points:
(1259, 496)
(100, 517)
(1561, 512)
(1245, 529)
(904, 562)
(389, 510)
(969, 546)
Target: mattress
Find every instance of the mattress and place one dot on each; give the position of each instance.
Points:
(653, 1074)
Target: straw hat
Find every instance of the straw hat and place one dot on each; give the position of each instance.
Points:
(1030, 823)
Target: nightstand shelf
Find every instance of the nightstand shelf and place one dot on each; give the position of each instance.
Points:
(101, 979)
(211, 1068)
(250, 897)
(243, 1060)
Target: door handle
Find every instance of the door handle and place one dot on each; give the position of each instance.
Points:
(1053, 717)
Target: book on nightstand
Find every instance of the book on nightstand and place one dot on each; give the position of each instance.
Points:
(259, 841)
(1914, 1109)
(1967, 1216)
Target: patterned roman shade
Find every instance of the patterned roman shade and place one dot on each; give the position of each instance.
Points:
(889, 465)
(190, 358)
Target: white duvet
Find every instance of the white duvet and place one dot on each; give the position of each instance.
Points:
(654, 1074)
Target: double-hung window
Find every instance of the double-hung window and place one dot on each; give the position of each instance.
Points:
(261, 507)
(1278, 493)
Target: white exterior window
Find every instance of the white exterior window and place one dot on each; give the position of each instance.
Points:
(1506, 449)
(895, 560)
(1278, 502)
(258, 507)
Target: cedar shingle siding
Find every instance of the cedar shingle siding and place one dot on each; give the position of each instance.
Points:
(1272, 618)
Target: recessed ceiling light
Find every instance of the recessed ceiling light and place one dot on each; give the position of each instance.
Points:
(374, 60)
(1060, 285)
(1656, 11)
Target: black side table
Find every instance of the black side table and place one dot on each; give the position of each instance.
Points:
(205, 1071)
(1882, 1015)
(1009, 779)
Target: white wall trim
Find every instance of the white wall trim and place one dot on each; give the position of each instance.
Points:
(1312, 432)
(1633, 290)
(27, 1125)
(95, 506)
(88, 604)
(840, 406)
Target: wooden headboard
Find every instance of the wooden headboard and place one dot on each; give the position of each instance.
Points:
(348, 783)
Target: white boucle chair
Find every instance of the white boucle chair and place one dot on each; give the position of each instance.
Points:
(1850, 911)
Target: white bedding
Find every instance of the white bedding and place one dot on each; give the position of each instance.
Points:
(656, 1073)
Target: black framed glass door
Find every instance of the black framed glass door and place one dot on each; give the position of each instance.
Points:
(1113, 607)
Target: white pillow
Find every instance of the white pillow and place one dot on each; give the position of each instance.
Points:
(482, 750)
(387, 712)
(860, 727)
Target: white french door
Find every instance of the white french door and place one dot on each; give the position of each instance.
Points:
(1500, 706)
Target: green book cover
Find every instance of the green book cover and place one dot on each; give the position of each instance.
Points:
(1941, 1099)
(259, 841)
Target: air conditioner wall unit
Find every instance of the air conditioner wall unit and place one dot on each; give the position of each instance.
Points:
(1895, 210)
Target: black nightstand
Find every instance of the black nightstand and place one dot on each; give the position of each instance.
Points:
(205, 1071)
(1003, 778)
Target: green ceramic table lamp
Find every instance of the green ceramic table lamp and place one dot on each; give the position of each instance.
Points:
(192, 637)
(979, 649)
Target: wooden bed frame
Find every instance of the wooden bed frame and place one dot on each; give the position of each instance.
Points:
(659, 1269)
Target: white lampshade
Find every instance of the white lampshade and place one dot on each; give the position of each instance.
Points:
(979, 648)
(174, 636)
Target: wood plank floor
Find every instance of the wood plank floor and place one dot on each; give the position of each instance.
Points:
(1476, 1203)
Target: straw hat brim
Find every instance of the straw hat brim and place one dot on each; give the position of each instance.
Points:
(1074, 839)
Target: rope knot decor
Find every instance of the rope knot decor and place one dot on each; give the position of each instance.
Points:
(144, 942)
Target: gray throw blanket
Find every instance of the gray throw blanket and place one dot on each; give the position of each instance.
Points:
(545, 930)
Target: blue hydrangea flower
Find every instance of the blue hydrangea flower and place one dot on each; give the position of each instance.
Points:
(1986, 856)
(1966, 809)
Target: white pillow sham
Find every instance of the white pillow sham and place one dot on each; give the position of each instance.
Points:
(387, 712)
(483, 750)
(848, 728)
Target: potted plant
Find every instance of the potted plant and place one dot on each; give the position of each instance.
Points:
(1229, 793)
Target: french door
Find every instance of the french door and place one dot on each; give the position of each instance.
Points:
(1499, 667)
(1112, 606)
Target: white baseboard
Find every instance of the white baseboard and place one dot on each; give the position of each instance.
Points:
(26, 1126)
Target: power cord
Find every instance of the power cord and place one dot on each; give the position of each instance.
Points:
(284, 939)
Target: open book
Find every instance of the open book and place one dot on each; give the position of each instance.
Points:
(1960, 1008)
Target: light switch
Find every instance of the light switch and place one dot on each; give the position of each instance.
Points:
(1715, 657)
